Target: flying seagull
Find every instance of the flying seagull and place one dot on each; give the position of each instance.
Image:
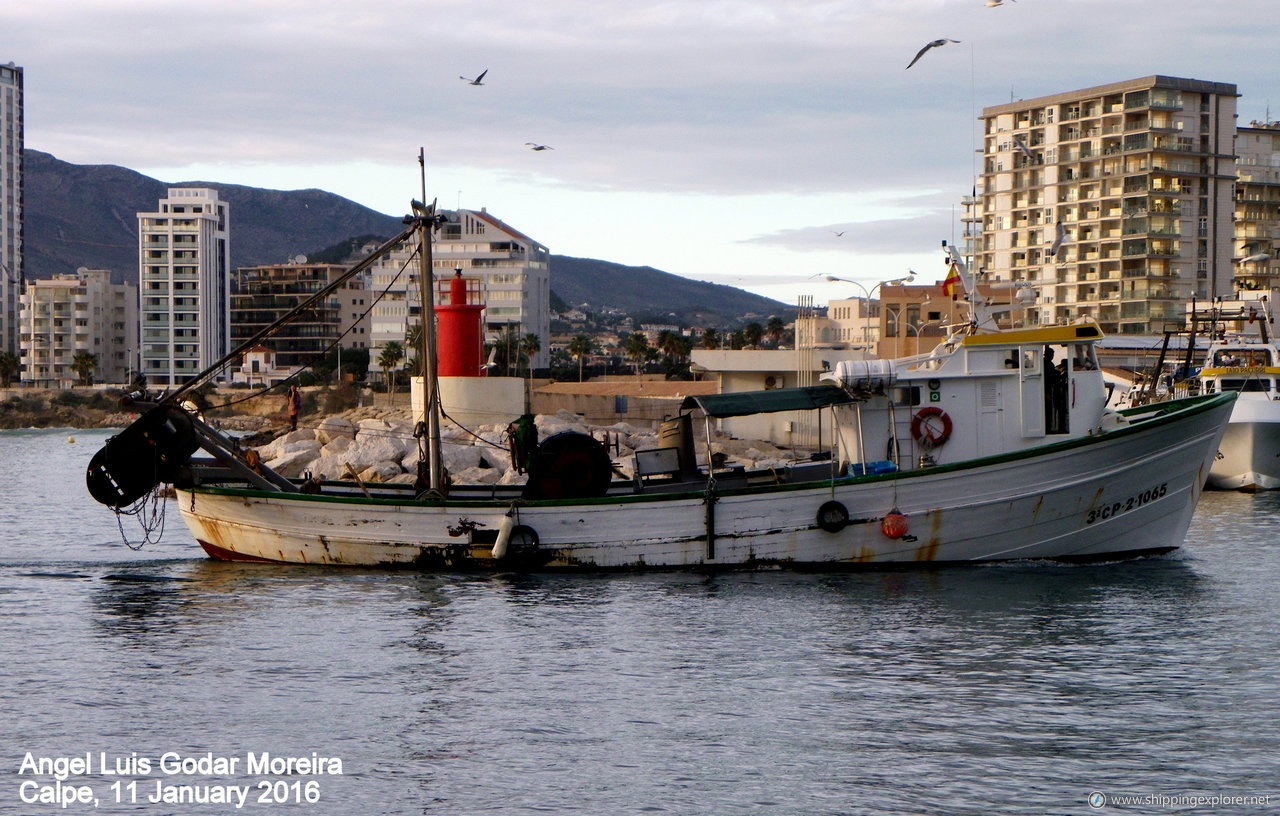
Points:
(1059, 236)
(477, 81)
(933, 44)
(536, 146)
(839, 234)
(1022, 147)
(994, 3)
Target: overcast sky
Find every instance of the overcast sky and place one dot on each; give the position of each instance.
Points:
(722, 140)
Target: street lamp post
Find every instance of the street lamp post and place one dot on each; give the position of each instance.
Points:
(870, 293)
(897, 320)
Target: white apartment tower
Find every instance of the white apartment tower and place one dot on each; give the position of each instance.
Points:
(515, 272)
(1257, 228)
(184, 285)
(1131, 183)
(72, 314)
(11, 258)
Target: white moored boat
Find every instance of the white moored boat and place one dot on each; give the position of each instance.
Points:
(982, 450)
(1244, 358)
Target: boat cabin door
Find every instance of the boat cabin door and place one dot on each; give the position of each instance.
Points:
(1032, 390)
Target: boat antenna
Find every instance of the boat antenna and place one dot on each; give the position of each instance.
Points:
(422, 171)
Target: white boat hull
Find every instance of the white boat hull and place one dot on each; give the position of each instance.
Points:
(1126, 492)
(1249, 455)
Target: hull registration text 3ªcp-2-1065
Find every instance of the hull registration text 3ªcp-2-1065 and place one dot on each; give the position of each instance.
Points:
(1116, 508)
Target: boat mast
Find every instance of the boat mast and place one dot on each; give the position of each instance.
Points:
(979, 314)
(427, 219)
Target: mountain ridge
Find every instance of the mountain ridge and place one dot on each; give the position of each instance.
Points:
(86, 216)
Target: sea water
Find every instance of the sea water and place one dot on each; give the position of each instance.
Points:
(164, 683)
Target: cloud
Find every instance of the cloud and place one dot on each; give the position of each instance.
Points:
(720, 101)
(922, 221)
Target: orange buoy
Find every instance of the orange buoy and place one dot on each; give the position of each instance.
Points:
(894, 524)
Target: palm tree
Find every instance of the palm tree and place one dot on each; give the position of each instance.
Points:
(8, 367)
(637, 348)
(666, 342)
(505, 349)
(579, 347)
(752, 334)
(775, 329)
(530, 345)
(83, 364)
(675, 345)
(710, 339)
(413, 348)
(388, 360)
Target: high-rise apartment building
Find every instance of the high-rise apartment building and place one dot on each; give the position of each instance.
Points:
(184, 284)
(1257, 229)
(69, 315)
(11, 259)
(261, 295)
(514, 271)
(1114, 201)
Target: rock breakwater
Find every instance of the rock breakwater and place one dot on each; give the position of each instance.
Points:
(378, 445)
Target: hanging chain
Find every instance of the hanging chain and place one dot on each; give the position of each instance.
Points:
(150, 513)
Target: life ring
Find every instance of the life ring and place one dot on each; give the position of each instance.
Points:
(523, 541)
(832, 516)
(927, 432)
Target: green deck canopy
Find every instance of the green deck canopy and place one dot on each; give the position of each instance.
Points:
(745, 403)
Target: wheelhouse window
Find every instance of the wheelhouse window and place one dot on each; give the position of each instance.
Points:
(1250, 385)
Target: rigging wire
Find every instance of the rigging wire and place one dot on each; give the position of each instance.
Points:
(319, 356)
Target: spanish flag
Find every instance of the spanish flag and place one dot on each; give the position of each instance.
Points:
(952, 283)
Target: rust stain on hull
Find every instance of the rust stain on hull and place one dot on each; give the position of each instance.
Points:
(928, 551)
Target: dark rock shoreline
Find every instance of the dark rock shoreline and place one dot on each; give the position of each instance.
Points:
(40, 411)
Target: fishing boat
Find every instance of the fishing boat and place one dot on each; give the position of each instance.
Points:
(1244, 358)
(982, 450)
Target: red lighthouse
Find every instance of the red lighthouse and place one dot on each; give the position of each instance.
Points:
(459, 329)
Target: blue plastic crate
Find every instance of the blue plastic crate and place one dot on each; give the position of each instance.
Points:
(872, 468)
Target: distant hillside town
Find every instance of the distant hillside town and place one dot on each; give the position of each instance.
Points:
(1122, 203)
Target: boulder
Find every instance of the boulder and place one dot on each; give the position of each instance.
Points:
(337, 446)
(381, 472)
(335, 427)
(376, 427)
(401, 426)
(641, 441)
(292, 465)
(370, 449)
(460, 457)
(476, 475)
(329, 467)
(498, 459)
(302, 445)
(627, 429)
(559, 422)
(510, 477)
